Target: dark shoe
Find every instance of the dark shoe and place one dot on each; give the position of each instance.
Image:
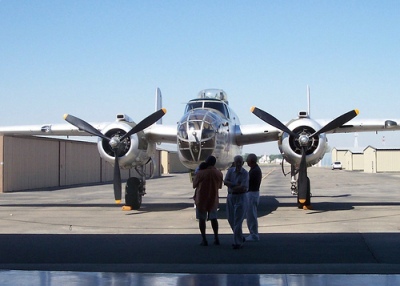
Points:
(216, 241)
(252, 238)
(237, 246)
(204, 243)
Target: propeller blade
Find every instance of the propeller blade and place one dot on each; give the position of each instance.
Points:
(117, 179)
(149, 120)
(268, 118)
(302, 180)
(337, 122)
(83, 125)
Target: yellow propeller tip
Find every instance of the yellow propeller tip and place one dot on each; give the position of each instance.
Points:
(65, 116)
(164, 110)
(252, 108)
(302, 201)
(357, 111)
(117, 201)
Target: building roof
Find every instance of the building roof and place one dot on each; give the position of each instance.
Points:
(382, 148)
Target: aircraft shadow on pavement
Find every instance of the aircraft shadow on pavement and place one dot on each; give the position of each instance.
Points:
(266, 206)
(43, 205)
(341, 206)
(320, 207)
(162, 207)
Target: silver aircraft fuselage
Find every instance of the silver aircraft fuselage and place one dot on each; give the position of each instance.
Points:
(206, 129)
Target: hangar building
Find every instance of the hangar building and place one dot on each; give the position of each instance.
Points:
(369, 159)
(28, 163)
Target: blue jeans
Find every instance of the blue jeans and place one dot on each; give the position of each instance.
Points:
(253, 199)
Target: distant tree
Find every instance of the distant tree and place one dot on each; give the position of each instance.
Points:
(275, 156)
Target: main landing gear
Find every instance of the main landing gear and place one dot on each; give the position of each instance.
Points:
(135, 189)
(307, 204)
(294, 190)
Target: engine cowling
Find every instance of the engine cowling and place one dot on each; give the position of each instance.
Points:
(290, 147)
(135, 150)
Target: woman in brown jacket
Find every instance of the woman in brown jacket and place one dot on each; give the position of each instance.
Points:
(207, 183)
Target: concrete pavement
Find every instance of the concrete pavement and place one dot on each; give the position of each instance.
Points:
(352, 229)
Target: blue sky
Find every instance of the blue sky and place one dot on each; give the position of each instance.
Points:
(94, 59)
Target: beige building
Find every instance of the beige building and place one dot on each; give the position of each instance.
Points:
(351, 159)
(369, 159)
(377, 160)
(35, 162)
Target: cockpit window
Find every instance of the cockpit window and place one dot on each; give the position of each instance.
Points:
(193, 105)
(215, 105)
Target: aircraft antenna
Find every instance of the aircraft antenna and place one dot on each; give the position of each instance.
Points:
(355, 140)
(308, 100)
(158, 103)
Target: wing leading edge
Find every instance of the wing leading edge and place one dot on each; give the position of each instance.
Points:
(365, 125)
(255, 133)
(154, 133)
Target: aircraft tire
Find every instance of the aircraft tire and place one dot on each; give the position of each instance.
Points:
(308, 197)
(133, 196)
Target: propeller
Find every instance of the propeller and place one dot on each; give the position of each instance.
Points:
(84, 126)
(337, 122)
(304, 140)
(115, 142)
(271, 120)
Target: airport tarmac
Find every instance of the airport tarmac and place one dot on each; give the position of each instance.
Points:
(79, 233)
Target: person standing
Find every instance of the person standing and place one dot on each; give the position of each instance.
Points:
(253, 197)
(202, 166)
(237, 181)
(207, 183)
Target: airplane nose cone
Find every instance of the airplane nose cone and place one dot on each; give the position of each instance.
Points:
(196, 136)
(303, 139)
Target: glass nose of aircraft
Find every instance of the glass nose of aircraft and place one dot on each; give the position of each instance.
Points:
(196, 135)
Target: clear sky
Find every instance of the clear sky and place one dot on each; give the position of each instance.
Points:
(94, 59)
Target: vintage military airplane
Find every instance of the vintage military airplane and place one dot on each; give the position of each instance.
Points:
(208, 127)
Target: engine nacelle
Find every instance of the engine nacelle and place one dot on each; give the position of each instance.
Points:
(136, 151)
(291, 149)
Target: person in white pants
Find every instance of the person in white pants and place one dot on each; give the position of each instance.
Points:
(237, 181)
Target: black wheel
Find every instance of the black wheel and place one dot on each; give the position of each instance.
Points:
(133, 193)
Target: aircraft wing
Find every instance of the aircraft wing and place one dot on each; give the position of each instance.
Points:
(259, 133)
(161, 133)
(156, 133)
(365, 125)
(255, 133)
(47, 130)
